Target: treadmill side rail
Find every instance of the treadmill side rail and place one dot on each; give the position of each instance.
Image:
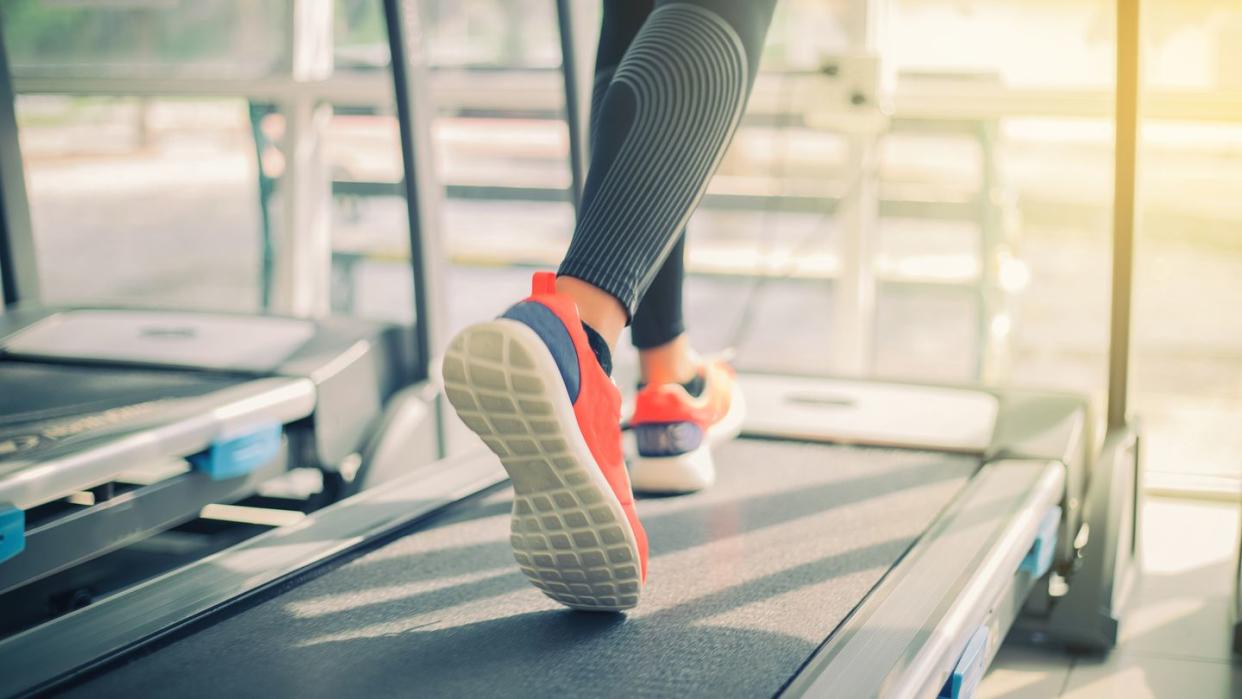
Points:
(185, 426)
(124, 519)
(1039, 560)
(39, 658)
(970, 668)
(909, 633)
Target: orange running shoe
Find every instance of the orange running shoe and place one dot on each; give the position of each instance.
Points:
(530, 386)
(674, 431)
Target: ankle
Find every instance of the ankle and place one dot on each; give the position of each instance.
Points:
(673, 362)
(596, 308)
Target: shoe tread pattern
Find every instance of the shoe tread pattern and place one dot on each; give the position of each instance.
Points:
(568, 539)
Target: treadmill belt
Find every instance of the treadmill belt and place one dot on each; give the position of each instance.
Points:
(746, 580)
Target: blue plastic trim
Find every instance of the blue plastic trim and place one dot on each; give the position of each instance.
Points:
(968, 672)
(548, 326)
(1039, 559)
(236, 455)
(12, 532)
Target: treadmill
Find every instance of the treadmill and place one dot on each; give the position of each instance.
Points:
(890, 562)
(864, 538)
(119, 424)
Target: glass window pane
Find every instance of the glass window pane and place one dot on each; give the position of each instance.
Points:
(143, 201)
(147, 38)
(231, 199)
(1060, 44)
(502, 147)
(360, 36)
(1187, 363)
(371, 273)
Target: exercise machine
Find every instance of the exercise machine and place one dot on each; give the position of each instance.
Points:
(117, 424)
(865, 538)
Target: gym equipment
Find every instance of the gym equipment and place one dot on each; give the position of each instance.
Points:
(865, 538)
(88, 397)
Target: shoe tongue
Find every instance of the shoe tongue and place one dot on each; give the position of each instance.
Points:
(543, 283)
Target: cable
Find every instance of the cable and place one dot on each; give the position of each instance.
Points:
(745, 323)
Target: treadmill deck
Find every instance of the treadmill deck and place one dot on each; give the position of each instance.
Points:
(746, 580)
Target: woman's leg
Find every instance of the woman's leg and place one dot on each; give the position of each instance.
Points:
(662, 124)
(658, 329)
(621, 22)
(527, 382)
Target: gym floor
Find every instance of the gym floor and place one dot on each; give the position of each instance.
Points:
(1176, 633)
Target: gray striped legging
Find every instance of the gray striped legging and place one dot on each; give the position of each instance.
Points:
(671, 82)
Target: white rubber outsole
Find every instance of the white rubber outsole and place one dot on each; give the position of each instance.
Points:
(694, 470)
(570, 536)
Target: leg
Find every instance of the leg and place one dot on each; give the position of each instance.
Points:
(663, 124)
(658, 330)
(658, 327)
(621, 22)
(527, 382)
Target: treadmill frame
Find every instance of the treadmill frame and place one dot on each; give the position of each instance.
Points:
(316, 400)
(1101, 488)
(1088, 617)
(1237, 599)
(165, 608)
(125, 518)
(963, 574)
(19, 271)
(154, 613)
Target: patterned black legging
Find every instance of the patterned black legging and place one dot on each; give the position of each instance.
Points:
(671, 82)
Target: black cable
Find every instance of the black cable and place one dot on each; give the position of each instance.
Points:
(745, 322)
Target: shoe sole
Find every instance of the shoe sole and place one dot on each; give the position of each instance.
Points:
(694, 470)
(569, 533)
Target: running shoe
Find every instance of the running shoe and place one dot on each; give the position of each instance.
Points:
(529, 385)
(674, 430)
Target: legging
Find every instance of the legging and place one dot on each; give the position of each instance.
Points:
(671, 82)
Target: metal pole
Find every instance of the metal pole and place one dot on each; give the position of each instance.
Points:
(1124, 169)
(302, 265)
(19, 272)
(422, 191)
(855, 290)
(575, 106)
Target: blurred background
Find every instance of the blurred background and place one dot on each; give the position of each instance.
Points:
(917, 192)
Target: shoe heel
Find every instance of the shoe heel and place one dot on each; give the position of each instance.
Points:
(569, 534)
(666, 475)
